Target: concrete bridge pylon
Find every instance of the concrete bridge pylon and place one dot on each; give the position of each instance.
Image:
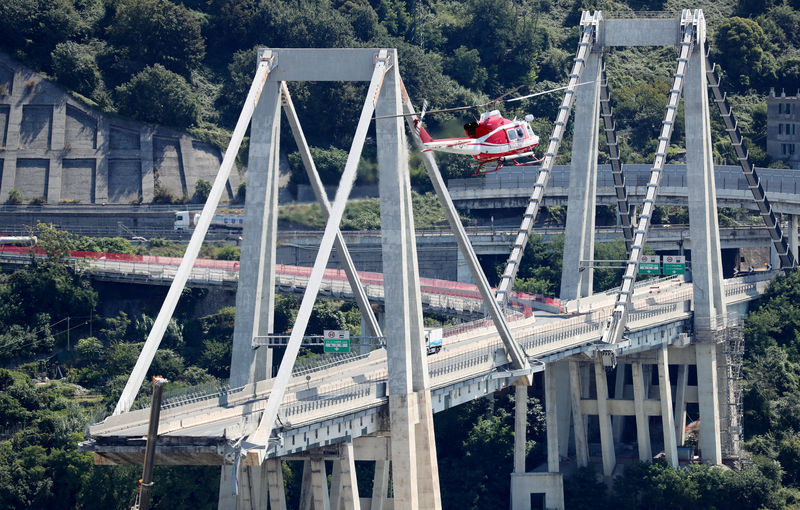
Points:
(701, 350)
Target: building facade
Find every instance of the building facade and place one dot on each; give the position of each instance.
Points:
(783, 128)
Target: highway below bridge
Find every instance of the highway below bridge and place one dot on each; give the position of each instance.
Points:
(510, 187)
(339, 398)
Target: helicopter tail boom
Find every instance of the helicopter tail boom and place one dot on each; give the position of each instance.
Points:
(424, 136)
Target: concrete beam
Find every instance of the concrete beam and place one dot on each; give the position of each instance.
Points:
(708, 396)
(642, 421)
(578, 421)
(640, 32)
(606, 435)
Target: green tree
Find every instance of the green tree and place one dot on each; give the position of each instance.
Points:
(465, 67)
(202, 189)
(740, 46)
(160, 96)
(151, 32)
(75, 67)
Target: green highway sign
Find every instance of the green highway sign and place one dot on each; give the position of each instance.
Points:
(336, 340)
(650, 264)
(674, 264)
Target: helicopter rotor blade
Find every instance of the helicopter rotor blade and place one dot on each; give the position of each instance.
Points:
(545, 92)
(500, 99)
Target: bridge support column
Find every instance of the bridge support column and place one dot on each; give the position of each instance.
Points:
(579, 231)
(794, 226)
(251, 483)
(551, 417)
(415, 477)
(277, 492)
(344, 486)
(642, 421)
(680, 403)
(606, 435)
(708, 399)
(520, 427)
(319, 485)
(578, 420)
(463, 271)
(380, 485)
(667, 414)
(305, 486)
(564, 410)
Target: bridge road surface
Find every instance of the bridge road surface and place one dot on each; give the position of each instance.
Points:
(347, 398)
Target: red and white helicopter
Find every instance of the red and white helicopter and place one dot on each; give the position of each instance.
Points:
(491, 138)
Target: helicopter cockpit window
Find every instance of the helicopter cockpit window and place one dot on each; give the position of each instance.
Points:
(512, 134)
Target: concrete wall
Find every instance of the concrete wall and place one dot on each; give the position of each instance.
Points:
(55, 147)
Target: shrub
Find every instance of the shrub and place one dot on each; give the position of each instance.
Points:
(14, 196)
(159, 96)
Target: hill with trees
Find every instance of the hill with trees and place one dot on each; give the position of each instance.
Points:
(187, 64)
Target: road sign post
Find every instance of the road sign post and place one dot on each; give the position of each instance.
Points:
(650, 264)
(674, 264)
(336, 340)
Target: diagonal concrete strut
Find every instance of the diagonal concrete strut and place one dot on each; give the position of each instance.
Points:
(517, 354)
(257, 442)
(319, 191)
(193, 249)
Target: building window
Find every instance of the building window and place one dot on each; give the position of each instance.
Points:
(780, 129)
(783, 148)
(780, 107)
(788, 128)
(788, 110)
(793, 128)
(791, 148)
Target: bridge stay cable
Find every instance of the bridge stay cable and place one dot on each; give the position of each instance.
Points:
(265, 65)
(588, 34)
(348, 266)
(519, 358)
(753, 181)
(616, 327)
(624, 208)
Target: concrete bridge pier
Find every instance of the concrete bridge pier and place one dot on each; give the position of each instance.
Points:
(415, 475)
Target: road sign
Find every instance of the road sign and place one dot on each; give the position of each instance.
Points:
(650, 264)
(674, 264)
(336, 340)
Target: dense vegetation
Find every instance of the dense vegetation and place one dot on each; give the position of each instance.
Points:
(189, 63)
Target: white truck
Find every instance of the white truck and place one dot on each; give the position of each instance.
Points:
(185, 221)
(433, 340)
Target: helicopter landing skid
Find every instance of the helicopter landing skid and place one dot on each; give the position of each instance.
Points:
(501, 161)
